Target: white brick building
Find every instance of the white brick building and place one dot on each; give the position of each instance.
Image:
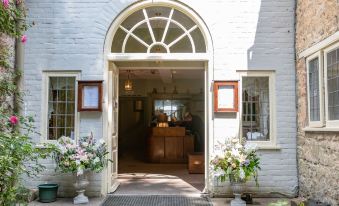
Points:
(242, 38)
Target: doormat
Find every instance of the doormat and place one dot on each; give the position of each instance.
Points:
(156, 200)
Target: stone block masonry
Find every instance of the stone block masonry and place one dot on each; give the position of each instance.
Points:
(318, 152)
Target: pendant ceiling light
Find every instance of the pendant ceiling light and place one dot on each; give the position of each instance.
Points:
(128, 83)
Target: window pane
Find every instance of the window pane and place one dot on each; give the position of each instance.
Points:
(256, 114)
(333, 84)
(61, 107)
(313, 83)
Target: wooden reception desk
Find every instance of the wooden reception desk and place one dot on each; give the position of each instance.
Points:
(169, 145)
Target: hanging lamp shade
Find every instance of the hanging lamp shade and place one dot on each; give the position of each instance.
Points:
(128, 84)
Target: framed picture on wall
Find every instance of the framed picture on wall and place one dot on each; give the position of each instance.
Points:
(89, 96)
(226, 96)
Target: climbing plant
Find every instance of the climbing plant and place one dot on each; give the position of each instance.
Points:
(11, 12)
(19, 155)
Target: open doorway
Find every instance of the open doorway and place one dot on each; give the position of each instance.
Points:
(161, 124)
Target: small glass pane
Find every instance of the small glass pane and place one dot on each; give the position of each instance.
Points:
(133, 19)
(118, 41)
(182, 46)
(70, 108)
(143, 33)
(199, 41)
(313, 83)
(134, 46)
(173, 33)
(256, 111)
(183, 19)
(70, 96)
(158, 27)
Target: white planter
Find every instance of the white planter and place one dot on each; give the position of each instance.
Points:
(80, 187)
(237, 188)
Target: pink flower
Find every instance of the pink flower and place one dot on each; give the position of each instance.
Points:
(23, 39)
(18, 2)
(14, 120)
(5, 3)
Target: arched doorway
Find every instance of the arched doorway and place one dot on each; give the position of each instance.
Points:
(164, 32)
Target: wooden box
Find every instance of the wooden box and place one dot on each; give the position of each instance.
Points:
(196, 163)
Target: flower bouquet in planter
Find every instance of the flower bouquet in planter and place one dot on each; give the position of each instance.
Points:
(79, 157)
(238, 162)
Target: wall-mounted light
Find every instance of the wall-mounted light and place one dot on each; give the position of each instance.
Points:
(128, 83)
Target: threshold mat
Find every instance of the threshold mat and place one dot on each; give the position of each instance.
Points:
(156, 200)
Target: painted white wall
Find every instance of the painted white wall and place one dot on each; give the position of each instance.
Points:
(247, 34)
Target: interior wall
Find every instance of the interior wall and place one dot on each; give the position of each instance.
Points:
(142, 87)
(130, 121)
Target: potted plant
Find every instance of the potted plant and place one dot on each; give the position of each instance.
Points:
(79, 158)
(238, 162)
(48, 192)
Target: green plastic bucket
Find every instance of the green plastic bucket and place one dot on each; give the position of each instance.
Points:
(48, 192)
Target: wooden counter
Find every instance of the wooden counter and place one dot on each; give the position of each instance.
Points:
(169, 145)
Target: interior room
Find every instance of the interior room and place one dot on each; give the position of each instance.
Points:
(161, 121)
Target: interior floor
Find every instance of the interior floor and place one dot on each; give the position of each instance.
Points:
(140, 177)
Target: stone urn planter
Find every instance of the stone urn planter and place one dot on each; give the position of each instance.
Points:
(237, 188)
(80, 187)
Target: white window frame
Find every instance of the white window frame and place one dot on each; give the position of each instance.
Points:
(329, 123)
(44, 106)
(319, 123)
(272, 143)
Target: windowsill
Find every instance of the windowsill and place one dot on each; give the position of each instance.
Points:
(321, 129)
(269, 147)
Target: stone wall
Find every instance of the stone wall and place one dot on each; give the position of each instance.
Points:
(318, 152)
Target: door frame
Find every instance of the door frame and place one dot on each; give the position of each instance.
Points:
(207, 58)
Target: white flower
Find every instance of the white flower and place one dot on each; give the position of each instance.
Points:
(85, 144)
(77, 162)
(96, 160)
(241, 174)
(234, 140)
(102, 141)
(235, 152)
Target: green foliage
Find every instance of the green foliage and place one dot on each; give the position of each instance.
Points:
(18, 155)
(10, 16)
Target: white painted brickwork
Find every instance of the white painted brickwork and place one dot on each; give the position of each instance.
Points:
(247, 34)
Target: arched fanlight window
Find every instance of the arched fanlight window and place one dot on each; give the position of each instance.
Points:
(158, 30)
